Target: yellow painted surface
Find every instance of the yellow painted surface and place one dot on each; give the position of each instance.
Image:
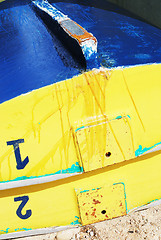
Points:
(101, 204)
(55, 203)
(48, 120)
(120, 107)
(100, 146)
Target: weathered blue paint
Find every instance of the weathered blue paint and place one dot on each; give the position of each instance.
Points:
(66, 29)
(122, 40)
(32, 57)
(142, 150)
(51, 10)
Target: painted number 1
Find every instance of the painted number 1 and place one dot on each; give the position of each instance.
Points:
(20, 163)
(24, 200)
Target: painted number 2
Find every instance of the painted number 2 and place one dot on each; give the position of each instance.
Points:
(24, 200)
(20, 163)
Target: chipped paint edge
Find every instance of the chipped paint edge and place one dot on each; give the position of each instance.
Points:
(35, 181)
(40, 231)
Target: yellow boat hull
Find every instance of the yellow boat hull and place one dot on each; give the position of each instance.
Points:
(103, 125)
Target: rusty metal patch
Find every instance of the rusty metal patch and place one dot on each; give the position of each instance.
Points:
(101, 204)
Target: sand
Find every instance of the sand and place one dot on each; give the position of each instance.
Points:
(142, 224)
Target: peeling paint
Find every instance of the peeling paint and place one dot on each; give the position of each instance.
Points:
(101, 204)
(5, 231)
(75, 168)
(52, 11)
(22, 229)
(79, 128)
(87, 42)
(142, 150)
(76, 222)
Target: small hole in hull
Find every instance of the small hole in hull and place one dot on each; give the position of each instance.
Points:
(103, 211)
(108, 154)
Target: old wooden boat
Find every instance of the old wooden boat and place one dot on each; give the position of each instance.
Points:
(80, 114)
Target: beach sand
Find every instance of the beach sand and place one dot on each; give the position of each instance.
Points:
(138, 225)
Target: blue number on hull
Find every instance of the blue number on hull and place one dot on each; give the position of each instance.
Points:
(20, 164)
(24, 200)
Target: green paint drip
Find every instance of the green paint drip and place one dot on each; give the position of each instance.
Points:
(142, 150)
(75, 168)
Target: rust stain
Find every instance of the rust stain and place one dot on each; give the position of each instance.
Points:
(111, 206)
(96, 201)
(103, 113)
(133, 101)
(82, 37)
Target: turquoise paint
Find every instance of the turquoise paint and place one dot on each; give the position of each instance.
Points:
(142, 150)
(84, 191)
(75, 168)
(76, 222)
(79, 128)
(119, 117)
(146, 204)
(4, 231)
(89, 190)
(22, 229)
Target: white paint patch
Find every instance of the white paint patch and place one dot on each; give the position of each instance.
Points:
(49, 9)
(89, 48)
